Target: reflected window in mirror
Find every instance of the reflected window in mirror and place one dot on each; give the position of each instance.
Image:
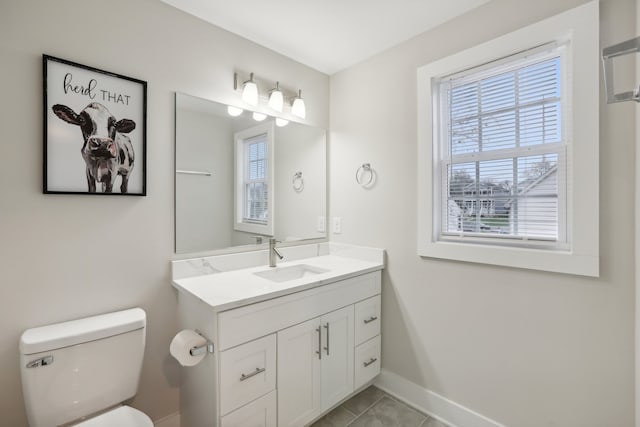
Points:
(254, 179)
(256, 187)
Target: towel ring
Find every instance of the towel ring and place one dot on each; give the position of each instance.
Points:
(366, 167)
(297, 182)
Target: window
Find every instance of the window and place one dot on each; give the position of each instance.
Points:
(254, 180)
(508, 149)
(502, 151)
(256, 188)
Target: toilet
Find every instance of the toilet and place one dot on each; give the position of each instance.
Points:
(79, 372)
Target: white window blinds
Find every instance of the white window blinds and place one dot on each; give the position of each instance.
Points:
(502, 152)
(256, 190)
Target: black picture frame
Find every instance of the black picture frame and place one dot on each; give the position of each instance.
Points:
(95, 130)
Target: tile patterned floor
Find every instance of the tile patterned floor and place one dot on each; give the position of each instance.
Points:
(374, 408)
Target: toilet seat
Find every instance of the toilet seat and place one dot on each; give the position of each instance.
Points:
(123, 416)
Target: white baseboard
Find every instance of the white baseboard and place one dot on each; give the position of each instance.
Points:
(172, 420)
(424, 400)
(431, 403)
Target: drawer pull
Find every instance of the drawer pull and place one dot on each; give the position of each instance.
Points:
(372, 360)
(252, 374)
(371, 319)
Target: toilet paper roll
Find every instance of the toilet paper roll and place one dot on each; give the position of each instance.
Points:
(181, 345)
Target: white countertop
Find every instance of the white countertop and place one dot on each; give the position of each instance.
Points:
(231, 289)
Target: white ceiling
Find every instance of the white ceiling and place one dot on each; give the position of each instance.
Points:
(328, 35)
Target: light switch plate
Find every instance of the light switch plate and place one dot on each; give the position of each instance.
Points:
(337, 225)
(322, 224)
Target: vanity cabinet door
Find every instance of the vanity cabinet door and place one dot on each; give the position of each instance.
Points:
(299, 353)
(337, 356)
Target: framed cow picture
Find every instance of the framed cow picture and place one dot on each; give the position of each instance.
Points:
(95, 130)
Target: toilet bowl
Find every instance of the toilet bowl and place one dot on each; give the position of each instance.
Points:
(123, 416)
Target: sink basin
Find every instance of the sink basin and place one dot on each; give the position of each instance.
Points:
(284, 274)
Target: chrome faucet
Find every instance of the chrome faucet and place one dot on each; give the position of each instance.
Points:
(273, 251)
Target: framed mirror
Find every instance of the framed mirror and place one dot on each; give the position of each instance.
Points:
(242, 178)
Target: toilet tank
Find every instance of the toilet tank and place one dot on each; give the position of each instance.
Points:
(73, 369)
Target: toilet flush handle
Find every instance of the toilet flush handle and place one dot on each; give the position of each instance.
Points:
(43, 361)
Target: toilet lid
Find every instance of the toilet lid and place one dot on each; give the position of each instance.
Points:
(123, 416)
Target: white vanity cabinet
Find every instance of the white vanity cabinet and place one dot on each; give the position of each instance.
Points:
(285, 360)
(315, 366)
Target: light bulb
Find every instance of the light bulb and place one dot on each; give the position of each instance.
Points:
(276, 98)
(298, 108)
(258, 117)
(250, 91)
(234, 111)
(281, 122)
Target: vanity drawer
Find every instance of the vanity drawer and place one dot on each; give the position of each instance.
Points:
(367, 361)
(367, 318)
(249, 322)
(247, 372)
(259, 413)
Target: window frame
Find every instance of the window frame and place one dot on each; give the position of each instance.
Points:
(241, 138)
(578, 28)
(443, 158)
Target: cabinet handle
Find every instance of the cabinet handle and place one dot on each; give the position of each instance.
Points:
(327, 347)
(319, 352)
(372, 360)
(371, 319)
(252, 374)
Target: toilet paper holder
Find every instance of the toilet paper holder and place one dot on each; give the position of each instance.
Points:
(201, 349)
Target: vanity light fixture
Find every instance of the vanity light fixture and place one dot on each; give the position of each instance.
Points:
(281, 122)
(250, 91)
(234, 111)
(297, 106)
(258, 117)
(276, 98)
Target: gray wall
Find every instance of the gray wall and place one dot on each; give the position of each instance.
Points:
(63, 256)
(525, 348)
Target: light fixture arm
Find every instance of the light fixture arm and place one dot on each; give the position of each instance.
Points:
(236, 85)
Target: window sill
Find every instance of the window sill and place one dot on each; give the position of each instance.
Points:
(557, 261)
(255, 228)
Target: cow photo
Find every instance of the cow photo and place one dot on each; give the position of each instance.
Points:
(95, 131)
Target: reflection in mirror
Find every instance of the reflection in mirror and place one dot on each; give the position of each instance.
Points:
(242, 178)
